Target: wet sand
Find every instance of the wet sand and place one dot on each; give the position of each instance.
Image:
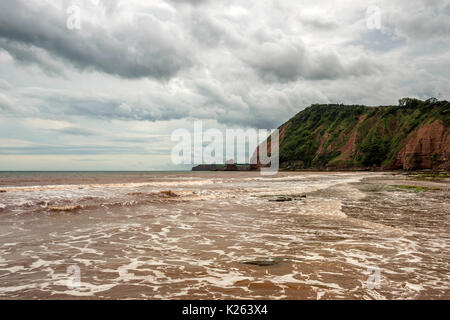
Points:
(224, 235)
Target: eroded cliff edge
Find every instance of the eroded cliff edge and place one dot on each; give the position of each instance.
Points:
(412, 135)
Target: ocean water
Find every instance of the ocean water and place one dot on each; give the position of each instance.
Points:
(222, 235)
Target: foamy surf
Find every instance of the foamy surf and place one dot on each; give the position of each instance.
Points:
(223, 235)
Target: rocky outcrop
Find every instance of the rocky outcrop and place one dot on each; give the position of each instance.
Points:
(226, 167)
(426, 148)
(208, 167)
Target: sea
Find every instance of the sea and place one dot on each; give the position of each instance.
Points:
(223, 235)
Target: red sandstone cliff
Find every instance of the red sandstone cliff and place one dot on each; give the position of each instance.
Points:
(413, 135)
(426, 148)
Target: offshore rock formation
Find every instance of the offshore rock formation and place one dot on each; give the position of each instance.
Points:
(225, 167)
(413, 135)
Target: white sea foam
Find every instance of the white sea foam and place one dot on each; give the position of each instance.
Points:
(194, 244)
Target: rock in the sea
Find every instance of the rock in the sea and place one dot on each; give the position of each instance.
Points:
(169, 193)
(264, 263)
(281, 199)
(288, 198)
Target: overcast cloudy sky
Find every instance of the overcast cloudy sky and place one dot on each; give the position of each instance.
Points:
(107, 96)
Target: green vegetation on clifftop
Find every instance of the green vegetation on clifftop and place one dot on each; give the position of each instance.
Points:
(355, 136)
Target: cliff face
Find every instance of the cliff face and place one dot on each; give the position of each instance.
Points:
(413, 135)
(424, 146)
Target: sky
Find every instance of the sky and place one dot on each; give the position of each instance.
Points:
(102, 84)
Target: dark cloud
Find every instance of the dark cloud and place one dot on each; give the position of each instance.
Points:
(292, 61)
(319, 23)
(425, 27)
(145, 48)
(206, 31)
(31, 56)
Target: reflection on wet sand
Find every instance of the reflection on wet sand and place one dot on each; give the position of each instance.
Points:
(225, 236)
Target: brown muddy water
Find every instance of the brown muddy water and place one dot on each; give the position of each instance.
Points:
(227, 235)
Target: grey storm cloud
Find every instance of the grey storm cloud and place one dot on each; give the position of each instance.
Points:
(289, 62)
(146, 48)
(426, 27)
(149, 47)
(241, 63)
(32, 56)
(318, 23)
